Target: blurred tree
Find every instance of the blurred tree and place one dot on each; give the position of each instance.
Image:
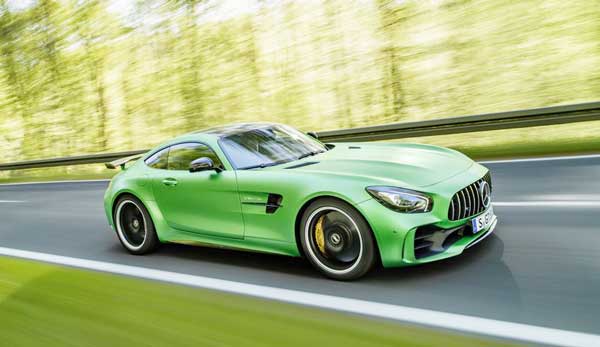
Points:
(80, 76)
(391, 17)
(13, 61)
(339, 56)
(191, 83)
(94, 30)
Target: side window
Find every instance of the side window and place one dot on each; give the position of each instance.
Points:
(181, 155)
(159, 159)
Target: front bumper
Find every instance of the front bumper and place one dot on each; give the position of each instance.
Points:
(395, 232)
(453, 245)
(487, 233)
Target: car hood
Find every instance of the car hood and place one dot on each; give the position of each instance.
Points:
(410, 165)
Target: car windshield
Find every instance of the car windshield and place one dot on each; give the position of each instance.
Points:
(268, 145)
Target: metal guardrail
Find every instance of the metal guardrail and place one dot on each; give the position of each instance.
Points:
(453, 125)
(465, 124)
(75, 160)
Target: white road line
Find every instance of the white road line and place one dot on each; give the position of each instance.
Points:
(555, 203)
(53, 182)
(11, 201)
(457, 322)
(589, 156)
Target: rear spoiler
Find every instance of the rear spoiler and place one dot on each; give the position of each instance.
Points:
(122, 161)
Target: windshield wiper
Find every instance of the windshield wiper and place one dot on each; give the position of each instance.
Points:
(264, 165)
(278, 162)
(309, 154)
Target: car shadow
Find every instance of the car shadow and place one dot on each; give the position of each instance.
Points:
(468, 283)
(471, 265)
(238, 258)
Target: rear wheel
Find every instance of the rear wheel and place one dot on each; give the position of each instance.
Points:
(337, 240)
(134, 226)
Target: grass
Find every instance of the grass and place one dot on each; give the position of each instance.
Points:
(564, 139)
(49, 305)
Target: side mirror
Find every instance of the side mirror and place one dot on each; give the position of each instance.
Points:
(203, 164)
(313, 134)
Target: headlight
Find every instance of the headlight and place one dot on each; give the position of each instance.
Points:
(401, 200)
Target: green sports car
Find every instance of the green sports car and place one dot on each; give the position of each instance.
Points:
(269, 188)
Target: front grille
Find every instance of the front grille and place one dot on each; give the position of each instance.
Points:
(467, 202)
(488, 178)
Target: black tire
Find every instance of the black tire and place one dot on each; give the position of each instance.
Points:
(347, 256)
(134, 226)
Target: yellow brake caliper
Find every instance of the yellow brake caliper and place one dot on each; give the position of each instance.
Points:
(319, 236)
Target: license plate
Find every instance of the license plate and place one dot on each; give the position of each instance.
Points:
(483, 221)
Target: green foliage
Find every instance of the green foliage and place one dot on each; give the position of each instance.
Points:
(76, 77)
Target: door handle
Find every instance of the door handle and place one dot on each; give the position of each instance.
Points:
(169, 182)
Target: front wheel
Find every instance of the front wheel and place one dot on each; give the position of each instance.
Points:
(337, 240)
(134, 226)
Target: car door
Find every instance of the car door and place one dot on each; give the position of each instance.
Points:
(202, 202)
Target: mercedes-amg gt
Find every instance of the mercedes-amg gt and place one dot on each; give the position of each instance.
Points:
(270, 188)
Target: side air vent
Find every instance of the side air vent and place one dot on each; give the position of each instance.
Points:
(302, 164)
(273, 203)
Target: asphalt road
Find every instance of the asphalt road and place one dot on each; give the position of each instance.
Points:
(542, 266)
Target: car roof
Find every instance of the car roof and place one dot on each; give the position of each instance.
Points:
(232, 129)
(211, 135)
